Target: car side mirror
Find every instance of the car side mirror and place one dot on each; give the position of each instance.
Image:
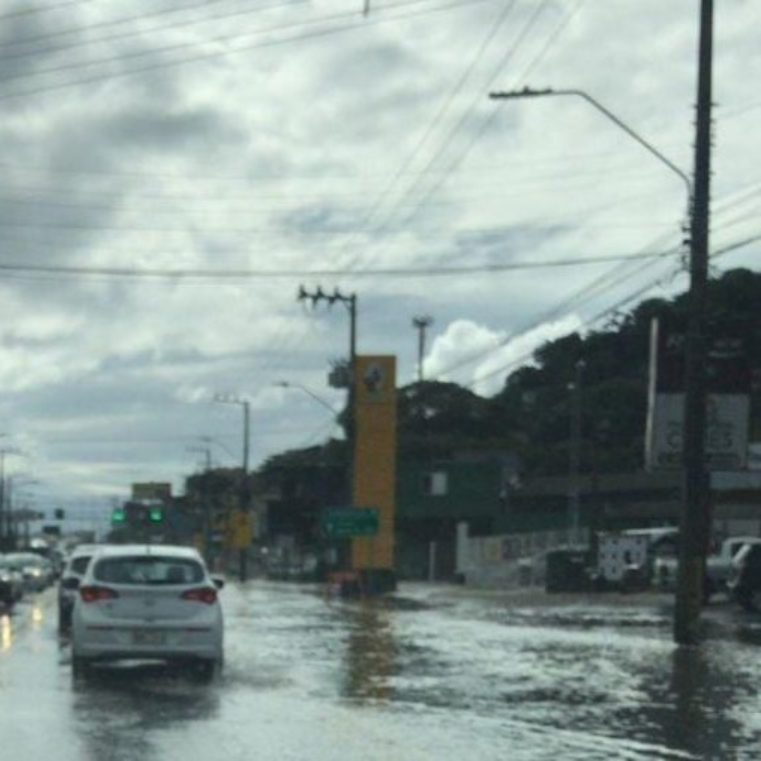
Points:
(218, 582)
(71, 583)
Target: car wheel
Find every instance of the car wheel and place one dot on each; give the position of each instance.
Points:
(750, 600)
(205, 671)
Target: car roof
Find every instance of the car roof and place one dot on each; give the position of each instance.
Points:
(83, 549)
(163, 550)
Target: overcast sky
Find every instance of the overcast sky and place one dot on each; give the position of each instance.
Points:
(324, 147)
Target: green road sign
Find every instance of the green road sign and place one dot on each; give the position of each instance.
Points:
(344, 522)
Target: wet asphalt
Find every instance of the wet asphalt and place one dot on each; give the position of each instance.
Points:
(436, 672)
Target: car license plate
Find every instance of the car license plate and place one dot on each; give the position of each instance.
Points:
(148, 637)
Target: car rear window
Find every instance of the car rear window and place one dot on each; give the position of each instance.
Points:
(148, 570)
(79, 565)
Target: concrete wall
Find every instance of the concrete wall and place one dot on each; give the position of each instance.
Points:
(507, 559)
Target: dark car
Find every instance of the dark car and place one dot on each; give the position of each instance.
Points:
(8, 585)
(745, 585)
(73, 571)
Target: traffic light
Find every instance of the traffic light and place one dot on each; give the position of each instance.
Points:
(59, 514)
(118, 515)
(155, 515)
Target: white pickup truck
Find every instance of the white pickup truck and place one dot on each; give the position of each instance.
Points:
(718, 566)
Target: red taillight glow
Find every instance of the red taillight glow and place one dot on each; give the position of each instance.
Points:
(96, 594)
(201, 594)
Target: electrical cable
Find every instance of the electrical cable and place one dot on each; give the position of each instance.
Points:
(212, 55)
(41, 9)
(140, 18)
(619, 305)
(235, 274)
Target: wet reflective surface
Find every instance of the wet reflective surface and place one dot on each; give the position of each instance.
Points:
(435, 673)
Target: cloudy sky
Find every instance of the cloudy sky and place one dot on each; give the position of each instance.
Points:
(173, 170)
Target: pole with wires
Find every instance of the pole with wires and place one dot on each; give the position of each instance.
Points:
(350, 302)
(421, 323)
(695, 524)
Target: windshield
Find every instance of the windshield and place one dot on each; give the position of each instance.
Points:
(148, 570)
(79, 565)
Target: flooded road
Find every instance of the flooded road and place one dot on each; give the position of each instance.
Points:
(436, 673)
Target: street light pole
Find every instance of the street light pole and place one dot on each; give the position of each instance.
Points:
(246, 406)
(548, 92)
(421, 323)
(6, 527)
(575, 454)
(309, 392)
(695, 524)
(244, 490)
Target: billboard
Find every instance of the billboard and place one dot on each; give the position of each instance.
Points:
(728, 384)
(374, 472)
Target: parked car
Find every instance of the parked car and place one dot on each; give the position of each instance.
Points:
(37, 572)
(13, 580)
(719, 566)
(745, 584)
(153, 602)
(71, 576)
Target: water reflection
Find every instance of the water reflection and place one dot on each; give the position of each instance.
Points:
(686, 701)
(118, 710)
(6, 633)
(371, 652)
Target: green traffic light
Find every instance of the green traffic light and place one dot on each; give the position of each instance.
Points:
(118, 515)
(156, 515)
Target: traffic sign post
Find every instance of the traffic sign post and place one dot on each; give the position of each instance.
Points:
(347, 522)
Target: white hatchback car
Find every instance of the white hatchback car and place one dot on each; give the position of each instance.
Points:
(148, 602)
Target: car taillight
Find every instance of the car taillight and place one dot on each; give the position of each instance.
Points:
(201, 594)
(96, 594)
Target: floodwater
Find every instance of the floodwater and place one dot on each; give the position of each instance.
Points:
(434, 673)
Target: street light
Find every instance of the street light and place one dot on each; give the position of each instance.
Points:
(309, 392)
(5, 518)
(244, 486)
(548, 92)
(23, 515)
(246, 405)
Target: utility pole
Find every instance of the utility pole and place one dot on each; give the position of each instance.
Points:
(205, 450)
(421, 323)
(350, 302)
(695, 525)
(6, 522)
(244, 490)
(575, 454)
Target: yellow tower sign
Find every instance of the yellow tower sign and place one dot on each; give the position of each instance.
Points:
(374, 473)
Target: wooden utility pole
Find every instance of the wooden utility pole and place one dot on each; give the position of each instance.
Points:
(695, 526)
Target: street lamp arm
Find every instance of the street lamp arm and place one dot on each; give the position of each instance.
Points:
(319, 400)
(549, 92)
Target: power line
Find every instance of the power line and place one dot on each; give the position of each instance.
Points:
(41, 9)
(615, 308)
(584, 157)
(451, 134)
(603, 283)
(234, 274)
(540, 184)
(211, 55)
(141, 18)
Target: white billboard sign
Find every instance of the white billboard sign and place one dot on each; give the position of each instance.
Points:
(726, 431)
